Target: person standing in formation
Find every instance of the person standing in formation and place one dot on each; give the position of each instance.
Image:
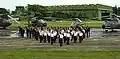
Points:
(61, 39)
(30, 33)
(27, 32)
(80, 36)
(75, 36)
(36, 34)
(72, 35)
(52, 38)
(55, 35)
(22, 32)
(48, 35)
(65, 38)
(68, 37)
(41, 35)
(45, 35)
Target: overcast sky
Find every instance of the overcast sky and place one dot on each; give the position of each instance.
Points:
(10, 4)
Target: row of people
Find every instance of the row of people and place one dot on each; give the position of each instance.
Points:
(51, 35)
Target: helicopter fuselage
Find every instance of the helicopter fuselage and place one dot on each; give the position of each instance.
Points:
(111, 23)
(4, 23)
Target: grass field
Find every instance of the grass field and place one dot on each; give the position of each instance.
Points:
(93, 24)
(27, 54)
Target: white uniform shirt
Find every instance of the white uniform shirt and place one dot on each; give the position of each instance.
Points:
(68, 30)
(48, 33)
(68, 35)
(62, 31)
(84, 31)
(72, 32)
(80, 33)
(65, 34)
(41, 32)
(55, 33)
(45, 33)
(76, 33)
(51, 31)
(52, 35)
(61, 36)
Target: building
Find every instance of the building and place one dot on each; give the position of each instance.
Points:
(91, 11)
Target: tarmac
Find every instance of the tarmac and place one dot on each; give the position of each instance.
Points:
(99, 41)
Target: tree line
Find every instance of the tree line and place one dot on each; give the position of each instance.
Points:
(62, 11)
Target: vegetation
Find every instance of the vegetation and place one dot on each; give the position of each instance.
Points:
(90, 23)
(27, 54)
(116, 10)
(63, 11)
(36, 10)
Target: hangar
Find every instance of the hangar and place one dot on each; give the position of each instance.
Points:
(91, 11)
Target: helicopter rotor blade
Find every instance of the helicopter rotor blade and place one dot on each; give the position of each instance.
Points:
(13, 19)
(78, 20)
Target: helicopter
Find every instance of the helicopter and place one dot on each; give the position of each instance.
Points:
(76, 23)
(5, 20)
(111, 22)
(38, 22)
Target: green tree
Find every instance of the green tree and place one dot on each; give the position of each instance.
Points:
(118, 10)
(38, 10)
(115, 10)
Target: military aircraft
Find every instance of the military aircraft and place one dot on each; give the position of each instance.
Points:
(78, 25)
(111, 22)
(5, 21)
(38, 22)
(76, 22)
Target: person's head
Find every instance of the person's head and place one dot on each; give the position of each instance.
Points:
(19, 27)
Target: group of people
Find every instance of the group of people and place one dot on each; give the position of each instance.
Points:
(56, 34)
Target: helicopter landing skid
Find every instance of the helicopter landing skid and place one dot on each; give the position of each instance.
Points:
(110, 30)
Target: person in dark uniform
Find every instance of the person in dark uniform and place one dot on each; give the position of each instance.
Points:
(61, 39)
(88, 29)
(48, 36)
(22, 32)
(33, 32)
(30, 33)
(27, 32)
(36, 34)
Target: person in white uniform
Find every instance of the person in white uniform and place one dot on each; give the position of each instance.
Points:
(52, 38)
(55, 36)
(41, 35)
(75, 36)
(68, 38)
(72, 34)
(80, 36)
(45, 36)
